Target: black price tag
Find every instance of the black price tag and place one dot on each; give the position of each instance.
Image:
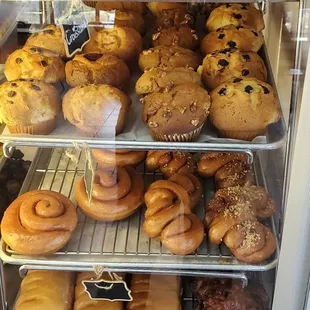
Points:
(75, 37)
(107, 290)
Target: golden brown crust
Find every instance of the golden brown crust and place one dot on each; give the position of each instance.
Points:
(28, 102)
(183, 36)
(93, 108)
(117, 193)
(97, 68)
(235, 14)
(157, 7)
(34, 63)
(50, 38)
(174, 17)
(177, 111)
(38, 222)
(221, 66)
(46, 290)
(123, 42)
(168, 57)
(138, 7)
(243, 105)
(157, 79)
(242, 38)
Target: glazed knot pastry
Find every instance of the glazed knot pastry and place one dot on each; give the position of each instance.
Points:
(116, 194)
(221, 66)
(242, 38)
(235, 14)
(38, 222)
(97, 68)
(29, 106)
(243, 108)
(169, 216)
(157, 79)
(170, 163)
(123, 42)
(183, 36)
(168, 58)
(50, 38)
(32, 62)
(121, 158)
(174, 17)
(177, 114)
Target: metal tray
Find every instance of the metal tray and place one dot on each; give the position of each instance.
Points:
(121, 244)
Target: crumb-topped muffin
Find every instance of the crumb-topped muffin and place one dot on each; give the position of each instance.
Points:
(175, 17)
(178, 113)
(29, 106)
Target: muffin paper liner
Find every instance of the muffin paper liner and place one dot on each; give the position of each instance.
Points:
(42, 128)
(241, 135)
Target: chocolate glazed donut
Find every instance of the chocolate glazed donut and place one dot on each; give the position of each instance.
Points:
(38, 222)
(117, 193)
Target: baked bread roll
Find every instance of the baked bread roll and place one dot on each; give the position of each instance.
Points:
(29, 106)
(97, 68)
(182, 36)
(82, 300)
(50, 38)
(158, 7)
(243, 108)
(175, 17)
(116, 194)
(138, 7)
(221, 66)
(121, 158)
(34, 63)
(95, 109)
(155, 292)
(123, 42)
(169, 216)
(170, 163)
(235, 14)
(168, 57)
(38, 222)
(242, 38)
(157, 79)
(47, 290)
(178, 113)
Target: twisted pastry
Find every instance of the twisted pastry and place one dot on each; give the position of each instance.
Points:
(117, 193)
(118, 157)
(170, 163)
(169, 216)
(38, 222)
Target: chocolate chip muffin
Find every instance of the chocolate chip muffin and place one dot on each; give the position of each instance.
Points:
(242, 38)
(32, 62)
(157, 8)
(221, 66)
(29, 106)
(156, 79)
(178, 113)
(243, 108)
(168, 57)
(235, 14)
(175, 17)
(50, 38)
(98, 69)
(183, 36)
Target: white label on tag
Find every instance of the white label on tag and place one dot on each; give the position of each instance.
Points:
(107, 18)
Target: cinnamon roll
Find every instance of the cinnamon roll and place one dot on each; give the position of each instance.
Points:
(116, 194)
(38, 222)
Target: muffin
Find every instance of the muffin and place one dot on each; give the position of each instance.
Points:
(168, 57)
(34, 63)
(156, 79)
(123, 42)
(178, 113)
(95, 109)
(235, 14)
(174, 17)
(156, 8)
(183, 36)
(221, 66)
(50, 38)
(29, 106)
(242, 38)
(97, 68)
(138, 7)
(243, 108)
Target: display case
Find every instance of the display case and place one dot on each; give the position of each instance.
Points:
(168, 143)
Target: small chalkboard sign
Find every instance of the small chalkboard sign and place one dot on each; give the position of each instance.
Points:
(107, 290)
(75, 37)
